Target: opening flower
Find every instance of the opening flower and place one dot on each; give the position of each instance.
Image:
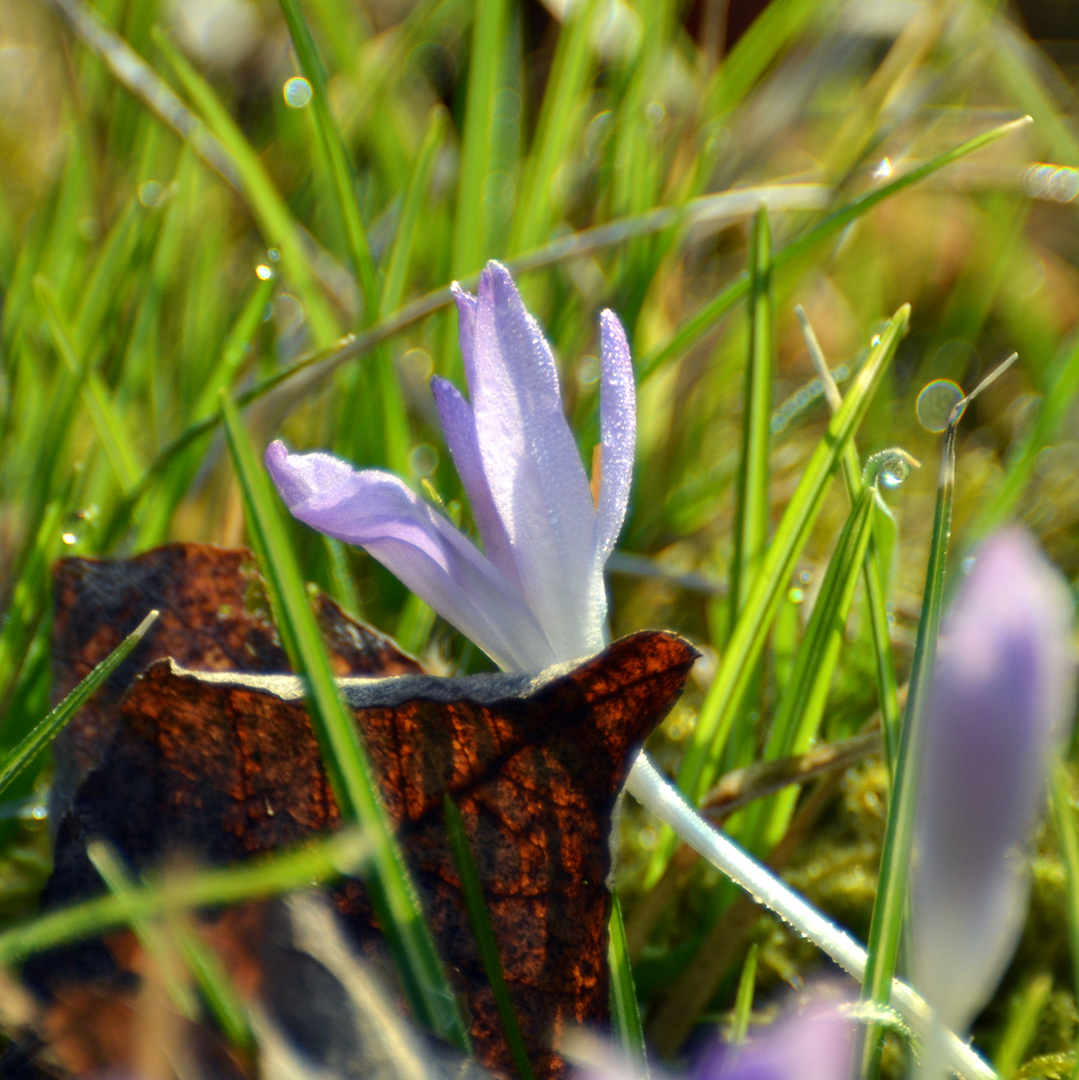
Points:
(1002, 692)
(535, 594)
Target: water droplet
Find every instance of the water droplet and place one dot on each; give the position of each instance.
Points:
(894, 473)
(806, 577)
(423, 460)
(273, 255)
(884, 170)
(263, 272)
(874, 341)
(149, 193)
(935, 403)
(968, 564)
(796, 595)
(588, 371)
(655, 112)
(69, 538)
(417, 365)
(288, 313)
(297, 92)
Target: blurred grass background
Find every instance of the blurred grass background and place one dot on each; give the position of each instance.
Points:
(239, 202)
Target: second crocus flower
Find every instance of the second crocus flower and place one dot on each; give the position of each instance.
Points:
(1003, 694)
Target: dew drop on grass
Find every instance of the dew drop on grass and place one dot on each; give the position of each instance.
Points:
(297, 92)
(935, 403)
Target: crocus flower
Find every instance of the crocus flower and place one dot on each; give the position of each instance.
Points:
(1002, 693)
(535, 594)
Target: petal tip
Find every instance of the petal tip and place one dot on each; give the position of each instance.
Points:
(276, 455)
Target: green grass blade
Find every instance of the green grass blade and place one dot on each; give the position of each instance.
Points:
(1068, 838)
(235, 350)
(771, 33)
(29, 597)
(393, 896)
(747, 638)
(1061, 388)
(1022, 1024)
(801, 708)
(555, 128)
(877, 558)
(890, 904)
(278, 226)
(393, 287)
(44, 732)
(743, 1001)
(751, 503)
(480, 917)
(343, 854)
(107, 421)
(625, 1011)
(333, 149)
(692, 328)
(485, 62)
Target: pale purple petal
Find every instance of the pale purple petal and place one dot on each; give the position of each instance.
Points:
(532, 465)
(1002, 693)
(418, 545)
(618, 432)
(459, 427)
(466, 328)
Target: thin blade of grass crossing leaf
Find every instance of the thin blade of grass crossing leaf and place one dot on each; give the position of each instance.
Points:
(164, 942)
(889, 906)
(393, 896)
(700, 321)
(46, 730)
(625, 1012)
(276, 222)
(345, 853)
(333, 148)
(480, 917)
(112, 872)
(743, 1001)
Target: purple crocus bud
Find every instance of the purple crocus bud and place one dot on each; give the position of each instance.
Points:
(1002, 694)
(535, 595)
(813, 1043)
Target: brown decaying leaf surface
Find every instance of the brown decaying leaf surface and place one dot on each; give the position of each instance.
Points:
(222, 771)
